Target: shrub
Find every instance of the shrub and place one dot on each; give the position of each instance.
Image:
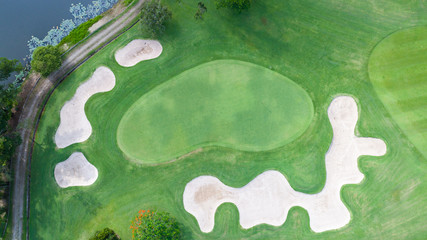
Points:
(238, 5)
(201, 9)
(105, 234)
(46, 60)
(79, 33)
(154, 225)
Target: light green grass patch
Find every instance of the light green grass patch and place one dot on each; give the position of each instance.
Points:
(398, 70)
(224, 103)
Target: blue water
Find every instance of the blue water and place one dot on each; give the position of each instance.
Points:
(21, 19)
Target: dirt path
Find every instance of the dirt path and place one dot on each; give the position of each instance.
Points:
(35, 100)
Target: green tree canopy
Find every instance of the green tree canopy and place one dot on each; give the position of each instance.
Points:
(46, 60)
(149, 225)
(238, 5)
(105, 234)
(7, 103)
(7, 67)
(9, 140)
(154, 17)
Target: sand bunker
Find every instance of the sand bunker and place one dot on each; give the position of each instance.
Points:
(75, 171)
(138, 50)
(74, 126)
(268, 198)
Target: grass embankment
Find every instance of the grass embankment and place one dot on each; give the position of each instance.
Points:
(323, 46)
(80, 32)
(221, 103)
(398, 70)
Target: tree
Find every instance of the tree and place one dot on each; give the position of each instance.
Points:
(238, 5)
(105, 234)
(8, 144)
(155, 225)
(46, 60)
(154, 17)
(9, 140)
(201, 9)
(7, 103)
(7, 67)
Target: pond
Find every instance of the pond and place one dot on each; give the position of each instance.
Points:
(21, 19)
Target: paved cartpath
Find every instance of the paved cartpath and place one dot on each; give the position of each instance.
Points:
(33, 103)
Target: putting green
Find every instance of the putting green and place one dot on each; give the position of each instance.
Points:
(224, 103)
(398, 70)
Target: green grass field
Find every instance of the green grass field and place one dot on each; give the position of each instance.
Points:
(398, 70)
(225, 103)
(323, 46)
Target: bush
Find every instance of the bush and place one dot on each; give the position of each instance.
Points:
(154, 17)
(105, 234)
(46, 60)
(238, 5)
(155, 225)
(79, 33)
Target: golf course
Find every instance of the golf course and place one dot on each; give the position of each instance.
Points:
(293, 119)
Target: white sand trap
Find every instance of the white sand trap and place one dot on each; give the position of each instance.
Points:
(74, 126)
(268, 198)
(75, 171)
(138, 50)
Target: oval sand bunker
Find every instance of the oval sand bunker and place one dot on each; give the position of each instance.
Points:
(75, 171)
(74, 126)
(138, 50)
(268, 198)
(225, 103)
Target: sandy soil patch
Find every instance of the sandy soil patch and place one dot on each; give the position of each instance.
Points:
(268, 198)
(75, 171)
(138, 50)
(74, 126)
(110, 14)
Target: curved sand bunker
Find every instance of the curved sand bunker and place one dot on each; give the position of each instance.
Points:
(268, 198)
(138, 50)
(75, 171)
(74, 126)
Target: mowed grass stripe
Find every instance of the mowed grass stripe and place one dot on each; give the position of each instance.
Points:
(413, 103)
(401, 60)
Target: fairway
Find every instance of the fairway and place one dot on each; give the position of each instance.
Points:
(233, 96)
(225, 103)
(398, 71)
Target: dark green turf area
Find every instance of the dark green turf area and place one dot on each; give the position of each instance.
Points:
(398, 70)
(221, 103)
(323, 46)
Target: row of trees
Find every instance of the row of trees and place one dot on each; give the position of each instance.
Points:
(154, 16)
(147, 225)
(9, 139)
